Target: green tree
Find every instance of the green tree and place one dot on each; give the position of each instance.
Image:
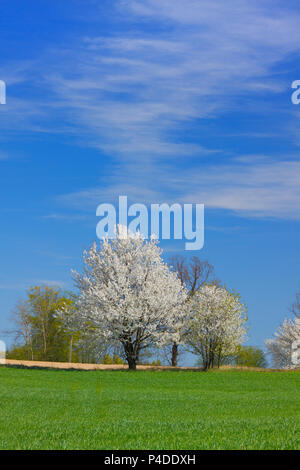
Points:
(250, 356)
(38, 332)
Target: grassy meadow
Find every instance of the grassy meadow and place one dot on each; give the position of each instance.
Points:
(225, 409)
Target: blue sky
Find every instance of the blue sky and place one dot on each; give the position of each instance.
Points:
(162, 101)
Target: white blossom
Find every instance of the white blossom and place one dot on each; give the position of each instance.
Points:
(67, 314)
(280, 347)
(217, 324)
(130, 294)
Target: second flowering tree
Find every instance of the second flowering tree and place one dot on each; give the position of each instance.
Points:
(217, 324)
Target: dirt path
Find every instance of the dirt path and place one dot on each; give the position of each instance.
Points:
(79, 366)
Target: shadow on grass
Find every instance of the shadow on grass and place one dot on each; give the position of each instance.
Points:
(74, 369)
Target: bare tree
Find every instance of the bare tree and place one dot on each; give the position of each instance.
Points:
(193, 274)
(295, 309)
(23, 329)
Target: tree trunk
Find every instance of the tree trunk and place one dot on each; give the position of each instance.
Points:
(131, 350)
(44, 340)
(175, 355)
(219, 356)
(70, 349)
(131, 363)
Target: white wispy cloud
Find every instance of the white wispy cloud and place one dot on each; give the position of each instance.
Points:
(127, 92)
(267, 188)
(134, 95)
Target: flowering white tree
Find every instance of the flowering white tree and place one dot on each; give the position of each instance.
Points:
(192, 274)
(281, 346)
(217, 324)
(130, 294)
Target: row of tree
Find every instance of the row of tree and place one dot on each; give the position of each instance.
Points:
(39, 334)
(130, 304)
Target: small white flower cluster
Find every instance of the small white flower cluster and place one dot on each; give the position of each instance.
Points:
(281, 346)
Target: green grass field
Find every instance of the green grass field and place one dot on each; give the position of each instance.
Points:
(50, 409)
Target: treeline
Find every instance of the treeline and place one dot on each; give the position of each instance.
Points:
(40, 335)
(132, 306)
